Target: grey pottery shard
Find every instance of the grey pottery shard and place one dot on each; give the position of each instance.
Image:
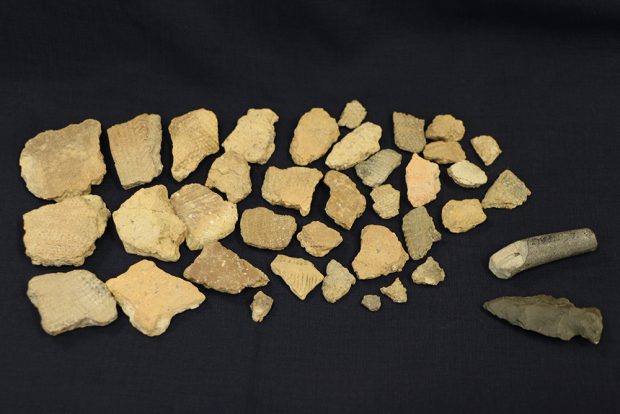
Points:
(316, 132)
(538, 250)
(386, 201)
(264, 229)
(291, 187)
(549, 316)
(230, 173)
(317, 239)
(408, 132)
(508, 191)
(345, 203)
(352, 115)
(355, 147)
(221, 269)
(337, 282)
(420, 232)
(376, 169)
(254, 136)
(72, 300)
(147, 225)
(194, 136)
(260, 306)
(63, 163)
(300, 275)
(65, 233)
(445, 128)
(381, 253)
(135, 147)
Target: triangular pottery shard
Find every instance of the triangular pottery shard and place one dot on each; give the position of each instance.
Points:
(63, 163)
(420, 232)
(345, 203)
(549, 316)
(381, 253)
(396, 291)
(314, 135)
(254, 136)
(508, 191)
(300, 275)
(291, 187)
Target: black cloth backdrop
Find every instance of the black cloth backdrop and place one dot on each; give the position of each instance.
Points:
(542, 77)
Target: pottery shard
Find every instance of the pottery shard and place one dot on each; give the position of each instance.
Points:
(508, 191)
(386, 201)
(72, 300)
(260, 306)
(408, 132)
(316, 132)
(487, 148)
(428, 273)
(371, 302)
(194, 136)
(396, 291)
(230, 173)
(135, 147)
(467, 175)
(254, 136)
(345, 203)
(376, 169)
(381, 253)
(65, 233)
(299, 275)
(221, 269)
(150, 297)
(355, 147)
(422, 179)
(444, 152)
(291, 187)
(420, 233)
(337, 282)
(318, 239)
(206, 214)
(445, 128)
(262, 228)
(63, 163)
(352, 115)
(147, 225)
(459, 216)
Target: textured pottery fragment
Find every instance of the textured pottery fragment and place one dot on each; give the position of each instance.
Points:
(538, 250)
(381, 253)
(376, 169)
(508, 191)
(300, 275)
(206, 214)
(487, 148)
(444, 152)
(408, 132)
(148, 226)
(135, 147)
(314, 135)
(221, 269)
(291, 187)
(428, 273)
(260, 306)
(262, 228)
(62, 163)
(337, 282)
(386, 201)
(355, 147)
(65, 233)
(72, 300)
(371, 302)
(445, 128)
(459, 216)
(420, 232)
(396, 291)
(352, 115)
(254, 136)
(422, 179)
(194, 136)
(150, 297)
(318, 239)
(345, 203)
(549, 316)
(230, 173)
(467, 174)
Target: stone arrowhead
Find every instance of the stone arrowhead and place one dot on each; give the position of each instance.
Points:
(260, 306)
(72, 300)
(299, 275)
(264, 229)
(147, 225)
(445, 128)
(380, 253)
(291, 187)
(371, 302)
(317, 239)
(467, 175)
(376, 169)
(444, 152)
(408, 132)
(65, 233)
(345, 203)
(355, 147)
(316, 132)
(420, 233)
(337, 282)
(487, 148)
(230, 173)
(396, 291)
(63, 163)
(428, 273)
(150, 297)
(460, 216)
(386, 201)
(422, 179)
(254, 136)
(352, 115)
(508, 191)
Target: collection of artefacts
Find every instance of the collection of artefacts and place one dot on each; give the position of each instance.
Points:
(62, 165)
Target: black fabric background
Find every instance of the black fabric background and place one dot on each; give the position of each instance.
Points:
(542, 77)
